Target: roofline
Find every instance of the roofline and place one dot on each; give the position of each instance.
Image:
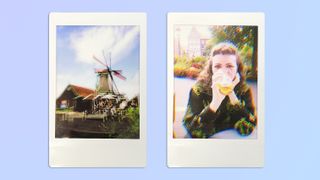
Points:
(74, 90)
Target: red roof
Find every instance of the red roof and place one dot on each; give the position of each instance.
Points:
(101, 70)
(81, 91)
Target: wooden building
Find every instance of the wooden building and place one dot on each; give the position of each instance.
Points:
(76, 98)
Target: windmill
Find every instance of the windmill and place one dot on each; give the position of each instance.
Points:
(106, 83)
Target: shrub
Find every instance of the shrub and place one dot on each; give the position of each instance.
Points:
(193, 72)
(180, 69)
(199, 59)
(179, 72)
(133, 115)
(180, 59)
(126, 126)
(184, 67)
(197, 65)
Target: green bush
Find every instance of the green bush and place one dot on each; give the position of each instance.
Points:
(179, 72)
(192, 72)
(133, 115)
(184, 67)
(199, 59)
(126, 126)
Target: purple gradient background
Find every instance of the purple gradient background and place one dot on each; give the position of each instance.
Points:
(291, 122)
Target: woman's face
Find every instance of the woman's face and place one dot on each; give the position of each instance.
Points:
(226, 64)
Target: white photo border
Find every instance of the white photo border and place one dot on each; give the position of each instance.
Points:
(97, 152)
(215, 152)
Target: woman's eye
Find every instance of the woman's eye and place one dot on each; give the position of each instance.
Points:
(217, 66)
(230, 66)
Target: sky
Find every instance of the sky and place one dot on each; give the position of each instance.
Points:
(76, 46)
(184, 33)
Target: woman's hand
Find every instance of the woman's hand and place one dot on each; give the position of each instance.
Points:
(217, 96)
(232, 96)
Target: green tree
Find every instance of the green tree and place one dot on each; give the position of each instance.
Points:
(244, 37)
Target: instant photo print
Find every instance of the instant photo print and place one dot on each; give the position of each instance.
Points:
(97, 90)
(215, 90)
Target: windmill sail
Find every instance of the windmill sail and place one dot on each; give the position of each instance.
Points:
(106, 82)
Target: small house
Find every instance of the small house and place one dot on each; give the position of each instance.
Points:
(76, 98)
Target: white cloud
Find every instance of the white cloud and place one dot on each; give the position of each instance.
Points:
(131, 87)
(119, 40)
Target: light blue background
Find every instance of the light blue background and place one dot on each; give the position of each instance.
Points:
(292, 60)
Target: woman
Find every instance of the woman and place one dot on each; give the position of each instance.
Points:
(220, 99)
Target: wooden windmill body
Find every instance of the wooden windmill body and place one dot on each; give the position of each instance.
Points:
(106, 82)
(106, 87)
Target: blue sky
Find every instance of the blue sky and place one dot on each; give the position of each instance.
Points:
(76, 46)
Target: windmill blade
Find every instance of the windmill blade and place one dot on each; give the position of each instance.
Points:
(118, 71)
(105, 58)
(110, 59)
(119, 75)
(95, 58)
